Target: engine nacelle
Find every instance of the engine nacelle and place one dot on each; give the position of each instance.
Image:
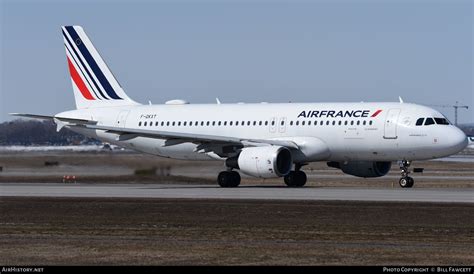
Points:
(263, 162)
(363, 168)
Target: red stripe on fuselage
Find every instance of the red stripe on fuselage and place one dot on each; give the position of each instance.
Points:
(376, 113)
(78, 81)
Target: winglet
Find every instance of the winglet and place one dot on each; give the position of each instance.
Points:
(400, 99)
(218, 101)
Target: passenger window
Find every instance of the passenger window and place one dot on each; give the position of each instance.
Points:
(364, 122)
(321, 123)
(179, 123)
(333, 123)
(297, 123)
(370, 122)
(302, 123)
(213, 123)
(248, 123)
(291, 123)
(139, 124)
(419, 122)
(254, 123)
(429, 121)
(340, 122)
(309, 123)
(225, 123)
(345, 123)
(173, 123)
(266, 123)
(273, 123)
(202, 123)
(282, 123)
(236, 123)
(230, 123)
(358, 122)
(207, 124)
(144, 124)
(260, 123)
(352, 123)
(327, 123)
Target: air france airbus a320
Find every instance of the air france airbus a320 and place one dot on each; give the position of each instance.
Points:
(262, 140)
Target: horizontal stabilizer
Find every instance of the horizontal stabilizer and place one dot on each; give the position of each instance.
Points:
(62, 119)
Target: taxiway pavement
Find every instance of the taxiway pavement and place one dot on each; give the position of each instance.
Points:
(249, 192)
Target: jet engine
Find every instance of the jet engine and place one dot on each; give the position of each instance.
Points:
(363, 168)
(263, 162)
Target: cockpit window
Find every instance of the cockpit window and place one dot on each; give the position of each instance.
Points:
(429, 121)
(419, 122)
(441, 121)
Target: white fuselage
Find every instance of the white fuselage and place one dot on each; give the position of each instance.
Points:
(346, 131)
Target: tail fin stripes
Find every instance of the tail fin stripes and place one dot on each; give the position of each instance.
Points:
(91, 62)
(75, 57)
(78, 81)
(93, 83)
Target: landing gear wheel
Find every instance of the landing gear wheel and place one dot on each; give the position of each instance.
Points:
(228, 179)
(235, 178)
(406, 182)
(295, 179)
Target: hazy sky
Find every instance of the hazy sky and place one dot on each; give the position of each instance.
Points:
(245, 51)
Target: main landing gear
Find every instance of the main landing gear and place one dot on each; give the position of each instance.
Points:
(406, 181)
(296, 178)
(229, 179)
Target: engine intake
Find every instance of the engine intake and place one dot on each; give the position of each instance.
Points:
(363, 168)
(263, 162)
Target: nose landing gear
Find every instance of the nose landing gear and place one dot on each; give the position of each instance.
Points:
(406, 181)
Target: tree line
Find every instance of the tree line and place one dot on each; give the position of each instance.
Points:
(34, 132)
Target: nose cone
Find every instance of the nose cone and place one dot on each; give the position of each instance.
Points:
(457, 140)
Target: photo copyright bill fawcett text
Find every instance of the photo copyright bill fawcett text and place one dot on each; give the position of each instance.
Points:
(432, 269)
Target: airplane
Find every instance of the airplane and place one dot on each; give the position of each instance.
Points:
(264, 140)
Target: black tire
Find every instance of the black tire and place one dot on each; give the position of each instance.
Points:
(223, 178)
(295, 179)
(406, 182)
(228, 179)
(301, 179)
(235, 179)
(289, 179)
(403, 182)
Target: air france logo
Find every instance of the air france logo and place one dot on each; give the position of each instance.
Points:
(336, 114)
